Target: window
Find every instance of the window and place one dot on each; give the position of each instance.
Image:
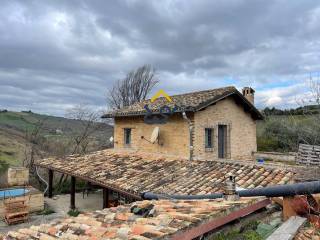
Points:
(127, 136)
(209, 137)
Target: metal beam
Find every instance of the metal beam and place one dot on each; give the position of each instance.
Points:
(132, 194)
(219, 221)
(106, 198)
(50, 187)
(73, 193)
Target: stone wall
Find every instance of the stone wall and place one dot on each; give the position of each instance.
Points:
(18, 176)
(276, 156)
(174, 135)
(173, 140)
(241, 131)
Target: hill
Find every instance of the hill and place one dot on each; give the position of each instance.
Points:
(14, 127)
(304, 110)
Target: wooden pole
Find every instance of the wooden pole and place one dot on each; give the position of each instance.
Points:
(288, 210)
(50, 187)
(73, 193)
(106, 198)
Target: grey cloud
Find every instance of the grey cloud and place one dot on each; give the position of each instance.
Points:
(67, 52)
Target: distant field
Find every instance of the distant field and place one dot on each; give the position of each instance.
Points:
(15, 125)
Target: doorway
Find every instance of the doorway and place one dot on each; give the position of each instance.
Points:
(222, 141)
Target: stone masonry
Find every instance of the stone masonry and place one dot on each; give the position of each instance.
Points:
(241, 131)
(174, 135)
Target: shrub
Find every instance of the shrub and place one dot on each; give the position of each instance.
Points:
(46, 211)
(73, 212)
(3, 166)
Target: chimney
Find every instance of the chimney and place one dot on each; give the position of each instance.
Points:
(230, 193)
(248, 93)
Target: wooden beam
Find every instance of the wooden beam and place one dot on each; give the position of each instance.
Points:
(106, 198)
(73, 193)
(50, 187)
(134, 195)
(278, 200)
(288, 210)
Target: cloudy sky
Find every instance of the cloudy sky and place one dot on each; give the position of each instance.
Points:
(56, 54)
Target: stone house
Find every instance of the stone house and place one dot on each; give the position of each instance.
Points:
(210, 124)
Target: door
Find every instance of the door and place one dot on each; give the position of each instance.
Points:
(222, 141)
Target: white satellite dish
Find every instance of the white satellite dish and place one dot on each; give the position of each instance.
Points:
(155, 135)
(111, 139)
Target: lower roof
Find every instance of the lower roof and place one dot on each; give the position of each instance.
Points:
(308, 232)
(164, 219)
(135, 173)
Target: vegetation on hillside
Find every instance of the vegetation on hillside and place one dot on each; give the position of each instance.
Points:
(283, 132)
(55, 137)
(310, 109)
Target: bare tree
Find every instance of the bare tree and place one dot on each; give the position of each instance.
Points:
(135, 87)
(89, 124)
(299, 125)
(34, 146)
(80, 138)
(309, 131)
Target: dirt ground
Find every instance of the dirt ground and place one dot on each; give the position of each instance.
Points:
(60, 204)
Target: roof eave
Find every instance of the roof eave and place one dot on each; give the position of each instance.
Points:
(252, 108)
(135, 114)
(257, 115)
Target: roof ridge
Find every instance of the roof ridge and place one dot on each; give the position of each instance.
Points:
(182, 94)
(201, 91)
(190, 101)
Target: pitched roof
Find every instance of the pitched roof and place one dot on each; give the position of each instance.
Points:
(189, 102)
(136, 173)
(143, 220)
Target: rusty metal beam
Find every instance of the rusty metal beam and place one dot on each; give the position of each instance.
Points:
(50, 183)
(220, 221)
(73, 193)
(106, 198)
(133, 195)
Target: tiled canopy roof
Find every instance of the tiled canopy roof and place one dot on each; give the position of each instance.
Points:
(135, 173)
(308, 233)
(193, 102)
(143, 220)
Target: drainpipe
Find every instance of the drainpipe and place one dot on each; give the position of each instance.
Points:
(184, 115)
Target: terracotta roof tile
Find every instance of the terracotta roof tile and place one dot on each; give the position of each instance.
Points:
(139, 172)
(308, 233)
(164, 219)
(193, 101)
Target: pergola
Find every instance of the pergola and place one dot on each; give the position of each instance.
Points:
(130, 174)
(106, 189)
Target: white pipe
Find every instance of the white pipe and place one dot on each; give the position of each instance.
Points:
(184, 115)
(47, 185)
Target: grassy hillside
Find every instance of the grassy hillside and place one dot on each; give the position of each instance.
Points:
(15, 125)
